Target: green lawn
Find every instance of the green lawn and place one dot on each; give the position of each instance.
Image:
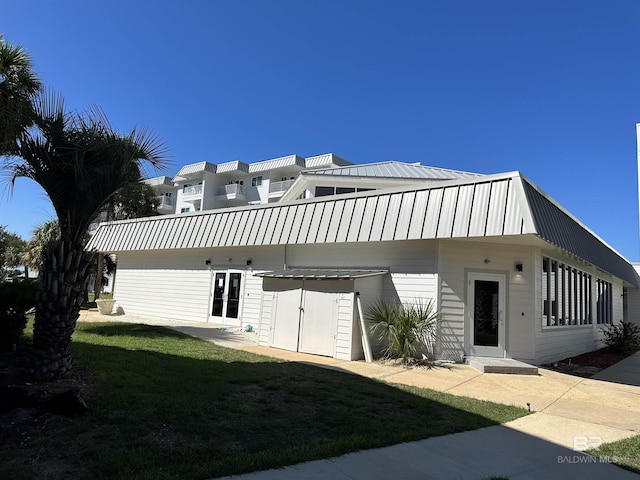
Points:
(624, 453)
(168, 406)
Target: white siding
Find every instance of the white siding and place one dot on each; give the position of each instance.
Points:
(177, 284)
(170, 286)
(455, 260)
(369, 289)
(411, 263)
(633, 301)
(558, 343)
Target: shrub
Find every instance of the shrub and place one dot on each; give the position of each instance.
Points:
(16, 298)
(623, 337)
(403, 328)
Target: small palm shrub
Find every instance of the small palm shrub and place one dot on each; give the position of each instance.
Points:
(16, 298)
(403, 329)
(623, 337)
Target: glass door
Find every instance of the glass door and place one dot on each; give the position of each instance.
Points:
(486, 314)
(227, 291)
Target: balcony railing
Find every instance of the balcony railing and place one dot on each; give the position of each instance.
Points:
(164, 201)
(232, 189)
(192, 190)
(280, 187)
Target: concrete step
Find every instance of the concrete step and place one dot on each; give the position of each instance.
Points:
(501, 365)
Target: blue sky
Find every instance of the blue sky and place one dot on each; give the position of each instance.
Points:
(550, 88)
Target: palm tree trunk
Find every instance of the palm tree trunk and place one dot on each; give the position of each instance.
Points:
(65, 274)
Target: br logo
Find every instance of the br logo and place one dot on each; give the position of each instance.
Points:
(582, 443)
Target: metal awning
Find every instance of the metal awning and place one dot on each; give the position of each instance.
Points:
(323, 274)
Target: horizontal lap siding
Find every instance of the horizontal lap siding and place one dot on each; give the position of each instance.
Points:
(344, 328)
(369, 288)
(176, 294)
(412, 264)
(455, 259)
(176, 284)
(266, 313)
(251, 302)
(554, 344)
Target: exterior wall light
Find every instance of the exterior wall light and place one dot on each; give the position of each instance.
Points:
(518, 266)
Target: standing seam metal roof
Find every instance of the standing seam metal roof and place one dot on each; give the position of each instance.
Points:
(486, 206)
(394, 169)
(557, 227)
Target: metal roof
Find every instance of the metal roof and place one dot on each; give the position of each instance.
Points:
(561, 229)
(326, 159)
(454, 210)
(393, 169)
(266, 165)
(235, 166)
(195, 168)
(484, 206)
(157, 181)
(321, 274)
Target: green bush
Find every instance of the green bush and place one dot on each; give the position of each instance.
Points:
(16, 298)
(403, 328)
(623, 337)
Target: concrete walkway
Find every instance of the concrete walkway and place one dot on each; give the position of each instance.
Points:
(571, 414)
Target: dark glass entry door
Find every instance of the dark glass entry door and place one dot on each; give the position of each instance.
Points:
(486, 314)
(227, 287)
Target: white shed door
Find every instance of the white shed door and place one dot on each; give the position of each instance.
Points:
(319, 318)
(286, 315)
(305, 316)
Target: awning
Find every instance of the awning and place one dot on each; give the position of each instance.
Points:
(318, 274)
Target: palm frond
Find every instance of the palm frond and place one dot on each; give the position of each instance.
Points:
(79, 160)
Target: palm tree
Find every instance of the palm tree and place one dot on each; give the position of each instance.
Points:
(41, 236)
(81, 163)
(18, 85)
(136, 201)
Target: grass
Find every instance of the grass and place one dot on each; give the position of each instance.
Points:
(168, 406)
(625, 453)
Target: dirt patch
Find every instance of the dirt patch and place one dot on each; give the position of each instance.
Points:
(30, 433)
(587, 364)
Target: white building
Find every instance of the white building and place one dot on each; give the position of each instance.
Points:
(206, 186)
(512, 273)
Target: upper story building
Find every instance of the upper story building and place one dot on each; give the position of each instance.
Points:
(207, 186)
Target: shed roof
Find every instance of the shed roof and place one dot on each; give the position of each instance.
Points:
(321, 274)
(483, 206)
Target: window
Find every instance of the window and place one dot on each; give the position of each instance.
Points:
(167, 194)
(184, 210)
(256, 181)
(604, 301)
(324, 191)
(566, 295)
